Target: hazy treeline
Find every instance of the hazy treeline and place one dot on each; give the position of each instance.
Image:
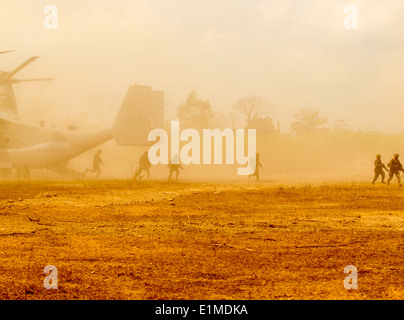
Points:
(332, 153)
(311, 148)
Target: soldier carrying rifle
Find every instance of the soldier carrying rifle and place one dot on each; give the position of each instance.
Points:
(379, 166)
(395, 168)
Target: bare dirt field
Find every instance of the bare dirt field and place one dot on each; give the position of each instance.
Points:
(156, 240)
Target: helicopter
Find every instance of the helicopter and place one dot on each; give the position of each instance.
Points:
(24, 146)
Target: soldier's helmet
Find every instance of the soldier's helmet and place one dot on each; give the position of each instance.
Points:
(396, 155)
(378, 155)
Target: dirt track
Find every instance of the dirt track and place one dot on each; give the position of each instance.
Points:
(113, 240)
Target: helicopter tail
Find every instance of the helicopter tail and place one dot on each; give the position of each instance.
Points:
(142, 110)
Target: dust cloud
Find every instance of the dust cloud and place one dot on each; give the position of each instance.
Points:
(325, 100)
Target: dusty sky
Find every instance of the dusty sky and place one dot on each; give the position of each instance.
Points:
(295, 53)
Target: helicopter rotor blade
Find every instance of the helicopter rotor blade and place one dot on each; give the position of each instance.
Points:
(19, 68)
(31, 80)
(6, 51)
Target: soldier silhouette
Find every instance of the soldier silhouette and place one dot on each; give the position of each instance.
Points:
(257, 166)
(174, 168)
(395, 167)
(379, 169)
(144, 165)
(97, 163)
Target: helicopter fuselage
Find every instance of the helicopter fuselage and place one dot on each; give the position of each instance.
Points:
(25, 146)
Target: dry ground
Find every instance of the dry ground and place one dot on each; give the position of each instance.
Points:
(154, 240)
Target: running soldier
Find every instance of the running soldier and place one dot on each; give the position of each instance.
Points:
(97, 163)
(395, 168)
(174, 167)
(379, 169)
(144, 165)
(257, 166)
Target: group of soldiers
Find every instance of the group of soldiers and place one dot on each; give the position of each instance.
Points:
(145, 165)
(394, 168)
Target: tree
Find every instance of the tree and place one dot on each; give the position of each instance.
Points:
(195, 112)
(256, 108)
(252, 107)
(262, 125)
(220, 120)
(308, 121)
(342, 125)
